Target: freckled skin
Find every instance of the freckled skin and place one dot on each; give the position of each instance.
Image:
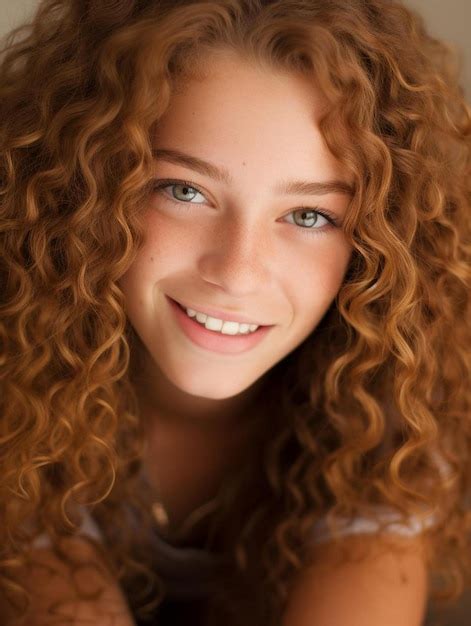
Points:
(236, 247)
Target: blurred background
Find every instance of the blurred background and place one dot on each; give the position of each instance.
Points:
(448, 19)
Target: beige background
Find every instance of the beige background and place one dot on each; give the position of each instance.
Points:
(448, 19)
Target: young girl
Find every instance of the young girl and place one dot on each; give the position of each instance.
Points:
(235, 315)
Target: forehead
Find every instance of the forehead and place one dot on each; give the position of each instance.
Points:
(227, 79)
(249, 116)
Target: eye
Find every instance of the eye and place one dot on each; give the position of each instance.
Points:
(311, 215)
(187, 191)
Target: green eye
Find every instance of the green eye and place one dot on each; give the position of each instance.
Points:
(308, 213)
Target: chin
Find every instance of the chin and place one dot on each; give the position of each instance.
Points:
(214, 390)
(213, 383)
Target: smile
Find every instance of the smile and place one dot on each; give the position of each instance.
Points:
(231, 338)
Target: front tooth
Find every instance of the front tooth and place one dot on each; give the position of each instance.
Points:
(230, 328)
(212, 323)
(227, 328)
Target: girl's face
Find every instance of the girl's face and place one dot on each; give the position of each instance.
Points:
(242, 245)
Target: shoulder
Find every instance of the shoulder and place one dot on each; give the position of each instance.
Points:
(81, 590)
(361, 580)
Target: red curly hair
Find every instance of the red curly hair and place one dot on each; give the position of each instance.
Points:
(374, 408)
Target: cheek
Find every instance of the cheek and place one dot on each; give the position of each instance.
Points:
(167, 250)
(168, 240)
(318, 278)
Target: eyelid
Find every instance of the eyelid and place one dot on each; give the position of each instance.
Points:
(328, 215)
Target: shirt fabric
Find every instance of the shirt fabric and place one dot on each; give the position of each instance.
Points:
(191, 572)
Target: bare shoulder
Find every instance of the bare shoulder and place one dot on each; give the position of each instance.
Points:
(364, 580)
(63, 595)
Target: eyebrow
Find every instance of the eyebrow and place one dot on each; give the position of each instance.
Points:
(293, 187)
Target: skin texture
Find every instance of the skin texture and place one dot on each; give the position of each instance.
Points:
(237, 247)
(363, 581)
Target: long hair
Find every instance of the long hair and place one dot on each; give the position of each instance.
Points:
(373, 409)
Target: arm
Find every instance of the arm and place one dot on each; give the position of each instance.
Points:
(377, 585)
(54, 600)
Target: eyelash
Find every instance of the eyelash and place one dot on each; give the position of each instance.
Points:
(330, 217)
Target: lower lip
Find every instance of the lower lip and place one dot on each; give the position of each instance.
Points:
(211, 340)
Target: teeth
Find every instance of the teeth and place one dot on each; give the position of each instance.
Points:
(226, 328)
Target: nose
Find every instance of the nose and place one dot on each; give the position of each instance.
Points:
(236, 256)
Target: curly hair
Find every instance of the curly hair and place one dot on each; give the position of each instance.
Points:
(372, 409)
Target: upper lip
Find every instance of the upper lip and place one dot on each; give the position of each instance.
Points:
(221, 315)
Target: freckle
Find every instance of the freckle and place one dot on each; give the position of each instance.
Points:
(152, 259)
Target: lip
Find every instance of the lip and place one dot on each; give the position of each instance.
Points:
(213, 341)
(226, 317)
